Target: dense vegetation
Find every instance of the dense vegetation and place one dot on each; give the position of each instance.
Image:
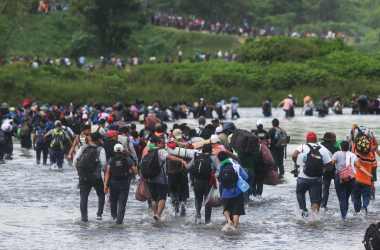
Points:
(319, 69)
(266, 67)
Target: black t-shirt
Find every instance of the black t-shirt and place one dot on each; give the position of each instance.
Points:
(262, 134)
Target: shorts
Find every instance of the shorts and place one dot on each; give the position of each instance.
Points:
(234, 205)
(313, 186)
(158, 191)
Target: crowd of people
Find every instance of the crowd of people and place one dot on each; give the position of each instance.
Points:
(225, 166)
(361, 105)
(193, 23)
(47, 6)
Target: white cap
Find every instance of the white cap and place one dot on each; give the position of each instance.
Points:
(259, 122)
(218, 130)
(118, 148)
(214, 139)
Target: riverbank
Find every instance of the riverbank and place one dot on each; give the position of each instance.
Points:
(339, 74)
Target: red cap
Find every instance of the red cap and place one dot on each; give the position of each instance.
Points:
(311, 137)
(112, 133)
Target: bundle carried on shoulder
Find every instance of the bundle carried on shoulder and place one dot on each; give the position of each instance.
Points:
(243, 141)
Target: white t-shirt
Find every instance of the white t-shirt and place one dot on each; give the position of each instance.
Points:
(341, 161)
(304, 150)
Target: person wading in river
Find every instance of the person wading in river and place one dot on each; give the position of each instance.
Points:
(89, 162)
(312, 158)
(153, 169)
(117, 179)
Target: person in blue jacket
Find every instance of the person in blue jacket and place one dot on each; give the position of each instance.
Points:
(232, 178)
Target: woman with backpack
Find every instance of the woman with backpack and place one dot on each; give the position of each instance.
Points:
(231, 175)
(202, 169)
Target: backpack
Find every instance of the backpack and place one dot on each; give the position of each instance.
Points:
(40, 136)
(150, 165)
(58, 140)
(363, 143)
(282, 138)
(119, 166)
(228, 177)
(372, 237)
(314, 162)
(202, 166)
(88, 162)
(2, 137)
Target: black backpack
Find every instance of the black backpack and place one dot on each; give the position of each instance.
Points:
(372, 237)
(120, 166)
(150, 165)
(314, 162)
(88, 163)
(228, 177)
(202, 166)
(282, 138)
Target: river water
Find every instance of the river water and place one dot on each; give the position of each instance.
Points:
(39, 208)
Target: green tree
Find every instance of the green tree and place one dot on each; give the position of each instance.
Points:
(12, 13)
(111, 21)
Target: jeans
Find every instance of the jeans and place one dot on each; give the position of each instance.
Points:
(326, 182)
(201, 190)
(56, 157)
(361, 194)
(343, 191)
(119, 191)
(44, 150)
(278, 156)
(313, 186)
(85, 187)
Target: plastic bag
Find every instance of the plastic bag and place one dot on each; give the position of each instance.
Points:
(142, 191)
(242, 185)
(213, 198)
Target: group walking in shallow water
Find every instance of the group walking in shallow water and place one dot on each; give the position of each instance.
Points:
(221, 164)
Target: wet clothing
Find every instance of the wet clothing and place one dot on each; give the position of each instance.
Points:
(57, 157)
(278, 152)
(361, 196)
(328, 175)
(343, 192)
(234, 205)
(305, 183)
(86, 183)
(119, 174)
(313, 186)
(85, 187)
(119, 190)
(158, 191)
(201, 191)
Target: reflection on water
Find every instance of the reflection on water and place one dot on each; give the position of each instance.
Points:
(39, 209)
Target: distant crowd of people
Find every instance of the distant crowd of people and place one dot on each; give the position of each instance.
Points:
(193, 23)
(47, 6)
(116, 61)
